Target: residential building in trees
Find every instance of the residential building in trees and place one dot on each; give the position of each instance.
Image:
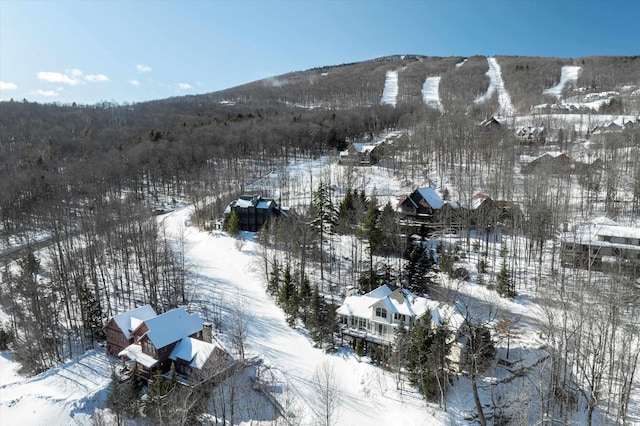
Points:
(157, 341)
(119, 329)
(422, 204)
(254, 211)
(599, 244)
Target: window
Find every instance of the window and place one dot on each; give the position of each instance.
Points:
(362, 324)
(399, 317)
(148, 348)
(381, 329)
(381, 312)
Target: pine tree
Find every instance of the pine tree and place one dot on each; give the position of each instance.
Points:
(418, 358)
(288, 298)
(323, 218)
(274, 280)
(504, 284)
(233, 224)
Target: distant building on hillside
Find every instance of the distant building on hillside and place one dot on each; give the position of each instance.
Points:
(422, 204)
(531, 134)
(254, 211)
(600, 244)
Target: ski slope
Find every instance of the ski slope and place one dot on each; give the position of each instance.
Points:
(430, 92)
(569, 73)
(64, 395)
(497, 84)
(390, 92)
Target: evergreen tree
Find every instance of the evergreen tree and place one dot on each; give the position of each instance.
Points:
(504, 283)
(304, 297)
(288, 298)
(233, 224)
(323, 218)
(92, 316)
(419, 356)
(418, 264)
(274, 280)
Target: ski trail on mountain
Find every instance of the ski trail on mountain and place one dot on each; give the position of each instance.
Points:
(431, 93)
(497, 84)
(569, 73)
(390, 92)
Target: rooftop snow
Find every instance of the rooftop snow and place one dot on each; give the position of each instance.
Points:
(432, 197)
(194, 351)
(129, 321)
(172, 326)
(134, 353)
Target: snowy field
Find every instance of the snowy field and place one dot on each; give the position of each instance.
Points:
(390, 92)
(496, 84)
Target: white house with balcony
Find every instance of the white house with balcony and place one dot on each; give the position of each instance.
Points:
(375, 316)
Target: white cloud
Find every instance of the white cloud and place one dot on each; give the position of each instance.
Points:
(47, 93)
(7, 85)
(75, 72)
(134, 83)
(94, 78)
(56, 77)
(143, 68)
(184, 86)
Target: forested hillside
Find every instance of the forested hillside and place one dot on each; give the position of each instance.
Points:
(79, 185)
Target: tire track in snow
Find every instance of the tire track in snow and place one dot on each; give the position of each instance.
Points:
(390, 92)
(497, 84)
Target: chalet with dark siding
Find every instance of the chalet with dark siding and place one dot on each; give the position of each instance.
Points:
(421, 205)
(253, 211)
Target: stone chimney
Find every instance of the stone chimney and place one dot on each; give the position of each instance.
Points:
(207, 332)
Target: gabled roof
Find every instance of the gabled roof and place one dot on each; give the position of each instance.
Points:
(245, 201)
(195, 352)
(478, 199)
(129, 321)
(172, 326)
(400, 301)
(431, 197)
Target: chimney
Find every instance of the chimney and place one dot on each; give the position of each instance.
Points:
(207, 332)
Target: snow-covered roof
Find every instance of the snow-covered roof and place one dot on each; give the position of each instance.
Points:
(477, 200)
(195, 352)
(431, 196)
(134, 353)
(400, 301)
(172, 326)
(129, 321)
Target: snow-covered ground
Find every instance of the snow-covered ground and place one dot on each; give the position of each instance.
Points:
(496, 84)
(64, 395)
(569, 73)
(461, 63)
(390, 92)
(430, 92)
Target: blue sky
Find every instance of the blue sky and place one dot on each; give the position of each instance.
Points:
(130, 51)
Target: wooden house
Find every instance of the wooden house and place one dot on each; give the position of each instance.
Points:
(253, 211)
(363, 154)
(174, 337)
(422, 204)
(554, 163)
(119, 329)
